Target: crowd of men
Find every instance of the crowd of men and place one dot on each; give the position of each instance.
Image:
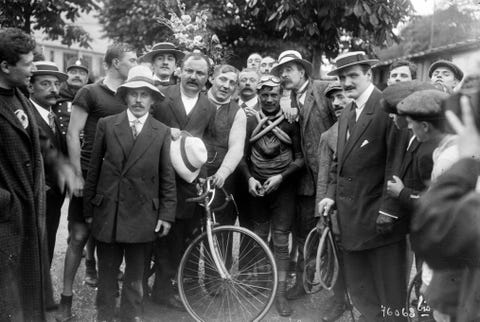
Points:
(129, 149)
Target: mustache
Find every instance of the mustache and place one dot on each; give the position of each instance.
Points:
(76, 78)
(347, 88)
(53, 95)
(138, 105)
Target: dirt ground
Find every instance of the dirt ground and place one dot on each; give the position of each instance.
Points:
(307, 309)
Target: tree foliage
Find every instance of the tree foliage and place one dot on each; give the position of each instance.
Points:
(53, 17)
(450, 25)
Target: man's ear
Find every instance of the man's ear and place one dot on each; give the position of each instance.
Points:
(211, 79)
(30, 88)
(116, 62)
(4, 67)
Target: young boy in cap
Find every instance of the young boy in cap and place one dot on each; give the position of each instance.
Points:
(129, 195)
(272, 158)
(446, 74)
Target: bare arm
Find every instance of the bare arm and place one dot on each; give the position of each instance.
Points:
(78, 118)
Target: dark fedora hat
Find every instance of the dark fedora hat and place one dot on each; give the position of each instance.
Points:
(163, 48)
(457, 72)
(349, 59)
(44, 67)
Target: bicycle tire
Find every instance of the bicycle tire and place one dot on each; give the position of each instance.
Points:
(327, 261)
(310, 275)
(246, 295)
(415, 302)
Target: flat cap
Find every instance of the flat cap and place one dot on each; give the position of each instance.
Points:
(395, 93)
(335, 86)
(423, 105)
(445, 63)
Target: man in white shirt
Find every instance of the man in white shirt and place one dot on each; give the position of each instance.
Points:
(247, 90)
(373, 242)
(44, 92)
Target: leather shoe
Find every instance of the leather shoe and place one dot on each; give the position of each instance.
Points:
(296, 291)
(334, 311)
(282, 305)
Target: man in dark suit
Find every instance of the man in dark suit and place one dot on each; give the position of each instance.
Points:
(164, 58)
(44, 88)
(315, 117)
(247, 90)
(25, 286)
(374, 247)
(129, 194)
(184, 108)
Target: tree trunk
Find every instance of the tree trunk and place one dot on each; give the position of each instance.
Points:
(317, 62)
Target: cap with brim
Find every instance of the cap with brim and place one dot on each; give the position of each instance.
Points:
(395, 93)
(350, 59)
(332, 87)
(48, 68)
(188, 154)
(423, 105)
(289, 56)
(77, 63)
(457, 72)
(163, 48)
(268, 80)
(138, 77)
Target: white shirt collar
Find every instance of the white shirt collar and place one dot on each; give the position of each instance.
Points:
(363, 98)
(251, 103)
(43, 112)
(141, 120)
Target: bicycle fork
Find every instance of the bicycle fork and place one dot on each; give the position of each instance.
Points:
(214, 247)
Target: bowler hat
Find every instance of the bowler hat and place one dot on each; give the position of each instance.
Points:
(163, 48)
(292, 56)
(350, 59)
(188, 154)
(395, 93)
(44, 67)
(77, 63)
(138, 77)
(457, 72)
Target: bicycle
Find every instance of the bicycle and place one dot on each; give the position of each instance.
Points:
(227, 273)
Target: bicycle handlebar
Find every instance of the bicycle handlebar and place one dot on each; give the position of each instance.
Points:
(208, 188)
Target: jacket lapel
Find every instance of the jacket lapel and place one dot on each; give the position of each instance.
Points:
(141, 144)
(177, 108)
(342, 132)
(12, 118)
(124, 134)
(198, 111)
(361, 125)
(307, 106)
(408, 157)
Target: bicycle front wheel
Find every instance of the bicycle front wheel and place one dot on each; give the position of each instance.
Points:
(248, 291)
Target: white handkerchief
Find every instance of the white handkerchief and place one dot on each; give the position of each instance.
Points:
(364, 143)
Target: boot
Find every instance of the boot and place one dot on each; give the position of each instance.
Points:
(281, 302)
(91, 278)
(64, 312)
(334, 310)
(296, 291)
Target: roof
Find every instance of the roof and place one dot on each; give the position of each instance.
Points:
(454, 47)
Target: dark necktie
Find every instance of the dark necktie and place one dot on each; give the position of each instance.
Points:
(352, 120)
(243, 105)
(51, 121)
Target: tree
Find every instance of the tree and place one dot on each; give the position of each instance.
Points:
(54, 17)
(314, 27)
(450, 25)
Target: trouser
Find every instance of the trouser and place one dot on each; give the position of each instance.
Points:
(376, 281)
(54, 206)
(168, 252)
(274, 213)
(110, 256)
(304, 222)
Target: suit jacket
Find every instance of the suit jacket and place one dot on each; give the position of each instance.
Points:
(130, 183)
(57, 140)
(326, 150)
(315, 117)
(25, 286)
(171, 112)
(358, 173)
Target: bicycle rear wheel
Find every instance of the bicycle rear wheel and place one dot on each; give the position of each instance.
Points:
(246, 295)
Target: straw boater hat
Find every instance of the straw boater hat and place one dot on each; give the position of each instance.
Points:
(48, 68)
(188, 154)
(457, 72)
(77, 63)
(138, 77)
(292, 56)
(163, 48)
(349, 59)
